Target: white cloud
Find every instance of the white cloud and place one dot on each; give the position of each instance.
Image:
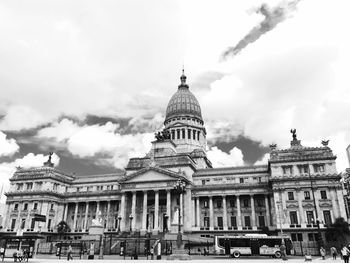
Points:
(7, 146)
(222, 159)
(263, 160)
(104, 142)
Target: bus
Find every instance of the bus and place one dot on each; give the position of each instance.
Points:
(254, 244)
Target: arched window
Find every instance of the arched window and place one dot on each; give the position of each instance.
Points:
(189, 134)
(194, 134)
(183, 134)
(198, 133)
(178, 134)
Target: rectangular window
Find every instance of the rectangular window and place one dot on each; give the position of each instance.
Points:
(203, 182)
(220, 222)
(247, 221)
(189, 133)
(32, 225)
(19, 186)
(15, 207)
(300, 237)
(23, 223)
(178, 134)
(303, 169)
(293, 217)
(206, 221)
(13, 223)
(173, 134)
(206, 204)
(241, 180)
(35, 206)
(194, 135)
(287, 170)
(78, 189)
(260, 202)
(232, 203)
(49, 224)
(310, 217)
(318, 168)
(323, 194)
(293, 236)
(261, 221)
(25, 207)
(307, 195)
(52, 206)
(218, 203)
(245, 202)
(290, 195)
(327, 217)
(312, 236)
(29, 186)
(297, 237)
(198, 133)
(183, 134)
(233, 221)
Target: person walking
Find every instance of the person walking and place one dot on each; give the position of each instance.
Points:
(323, 253)
(334, 253)
(345, 253)
(69, 253)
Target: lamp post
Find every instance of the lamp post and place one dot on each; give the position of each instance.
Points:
(180, 188)
(119, 221)
(131, 217)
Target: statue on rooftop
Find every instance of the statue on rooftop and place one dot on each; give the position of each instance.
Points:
(49, 163)
(325, 143)
(162, 135)
(294, 132)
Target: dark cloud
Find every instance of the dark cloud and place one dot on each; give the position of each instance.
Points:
(273, 16)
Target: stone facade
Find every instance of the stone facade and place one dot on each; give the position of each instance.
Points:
(298, 191)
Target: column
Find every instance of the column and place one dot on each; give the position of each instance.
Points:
(187, 212)
(122, 213)
(168, 207)
(182, 209)
(133, 211)
(75, 216)
(333, 193)
(27, 224)
(97, 208)
(300, 206)
(156, 210)
(239, 216)
(225, 212)
(65, 212)
(144, 212)
(341, 203)
(86, 215)
(193, 208)
(268, 220)
(211, 213)
(108, 212)
(197, 212)
(253, 211)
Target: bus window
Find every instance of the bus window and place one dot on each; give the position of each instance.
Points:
(221, 242)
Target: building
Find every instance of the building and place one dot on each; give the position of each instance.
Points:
(298, 191)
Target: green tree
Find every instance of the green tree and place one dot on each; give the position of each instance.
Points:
(338, 231)
(62, 228)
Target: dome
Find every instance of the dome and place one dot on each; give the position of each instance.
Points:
(183, 103)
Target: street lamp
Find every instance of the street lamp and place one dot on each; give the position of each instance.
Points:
(131, 217)
(180, 188)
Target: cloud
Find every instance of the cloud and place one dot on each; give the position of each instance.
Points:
(263, 160)
(8, 147)
(222, 159)
(104, 142)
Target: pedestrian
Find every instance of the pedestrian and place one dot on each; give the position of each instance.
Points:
(345, 253)
(199, 251)
(152, 253)
(2, 252)
(69, 252)
(323, 253)
(334, 253)
(283, 251)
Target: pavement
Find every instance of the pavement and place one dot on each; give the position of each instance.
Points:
(195, 258)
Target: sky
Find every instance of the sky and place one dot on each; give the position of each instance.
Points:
(90, 80)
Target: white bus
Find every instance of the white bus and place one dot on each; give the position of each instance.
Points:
(255, 244)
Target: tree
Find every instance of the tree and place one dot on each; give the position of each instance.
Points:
(62, 228)
(338, 231)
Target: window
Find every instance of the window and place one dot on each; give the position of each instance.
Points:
(232, 203)
(19, 187)
(290, 195)
(287, 170)
(312, 236)
(245, 202)
(293, 217)
(220, 223)
(247, 221)
(35, 206)
(206, 204)
(206, 221)
(183, 134)
(52, 206)
(303, 169)
(323, 194)
(297, 236)
(233, 221)
(310, 217)
(16, 207)
(13, 223)
(32, 225)
(203, 182)
(189, 133)
(241, 180)
(49, 224)
(198, 133)
(25, 207)
(23, 223)
(307, 195)
(178, 134)
(327, 217)
(55, 187)
(29, 186)
(173, 134)
(260, 202)
(218, 203)
(261, 220)
(318, 168)
(78, 189)
(194, 135)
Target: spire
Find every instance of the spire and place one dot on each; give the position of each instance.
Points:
(183, 78)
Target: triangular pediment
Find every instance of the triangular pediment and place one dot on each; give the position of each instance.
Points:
(152, 174)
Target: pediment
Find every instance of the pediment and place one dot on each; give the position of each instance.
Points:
(152, 174)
